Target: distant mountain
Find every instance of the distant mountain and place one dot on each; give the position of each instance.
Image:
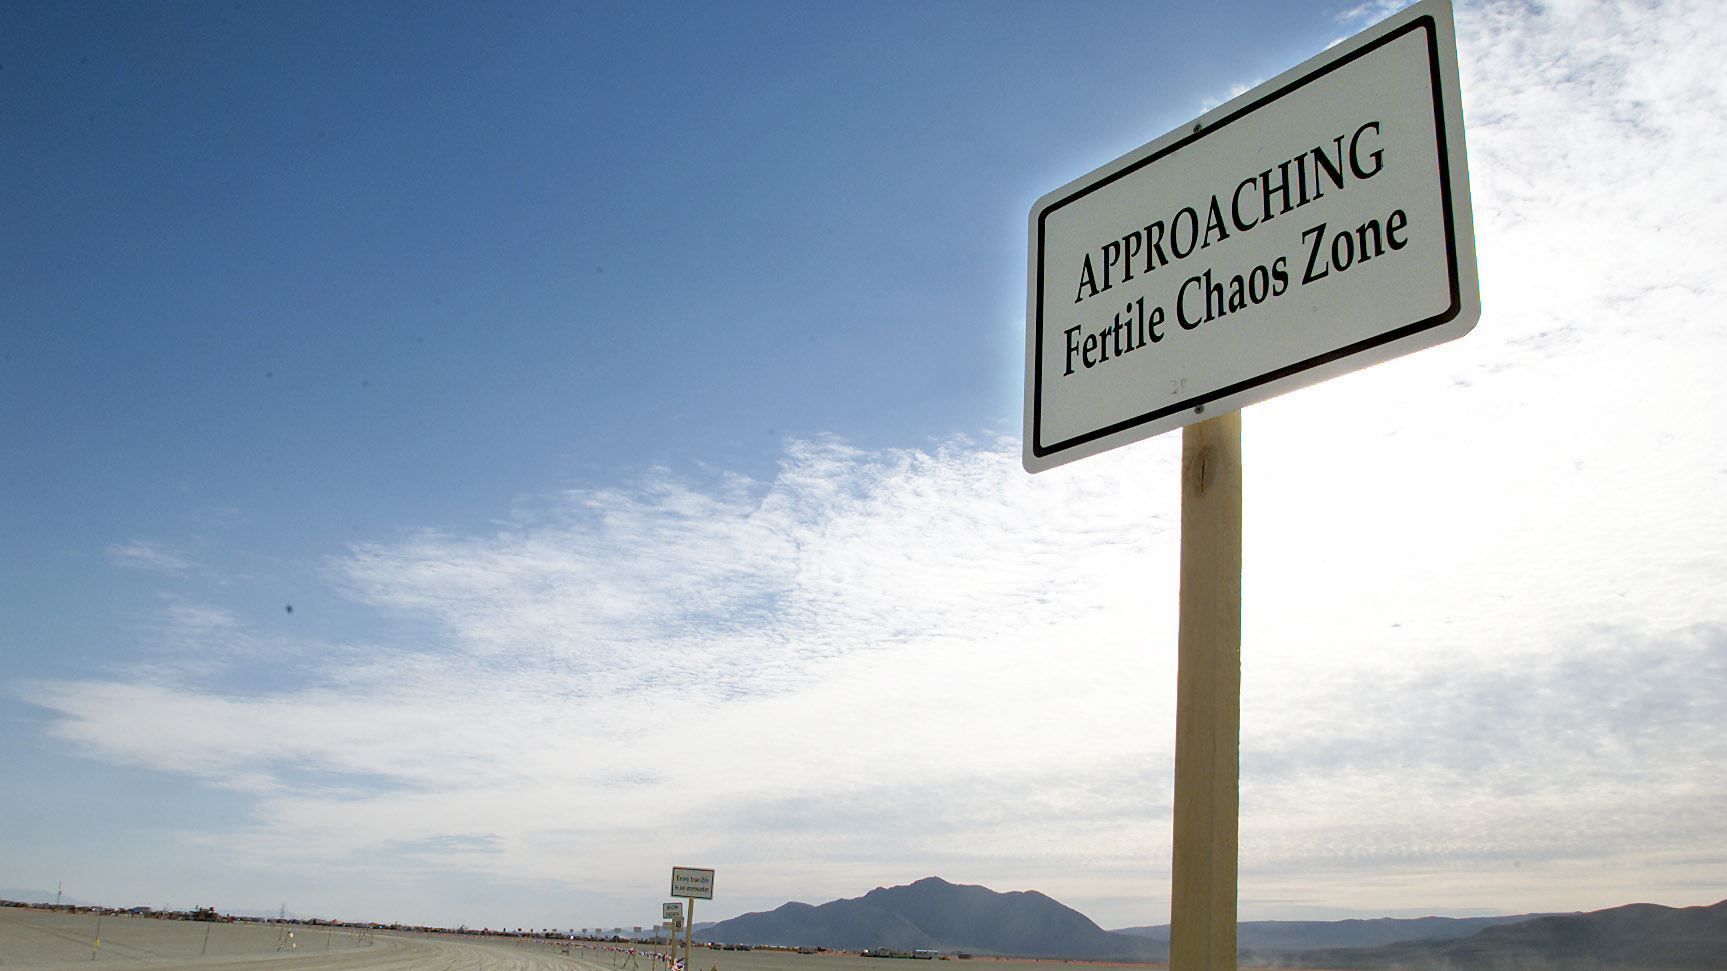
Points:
(1637, 937)
(49, 896)
(937, 915)
(1301, 935)
(40, 897)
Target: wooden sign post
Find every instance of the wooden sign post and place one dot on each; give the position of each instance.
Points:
(1208, 699)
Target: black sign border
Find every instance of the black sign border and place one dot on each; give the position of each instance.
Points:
(1426, 23)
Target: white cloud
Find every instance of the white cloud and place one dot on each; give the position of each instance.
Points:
(991, 696)
(1370, 12)
(148, 556)
(1484, 634)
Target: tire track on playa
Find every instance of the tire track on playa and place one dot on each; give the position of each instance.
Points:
(114, 949)
(50, 943)
(385, 953)
(391, 953)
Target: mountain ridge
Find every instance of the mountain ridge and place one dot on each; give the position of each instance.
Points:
(1644, 937)
(933, 914)
(1297, 935)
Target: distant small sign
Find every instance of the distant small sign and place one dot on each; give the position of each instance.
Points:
(692, 882)
(673, 914)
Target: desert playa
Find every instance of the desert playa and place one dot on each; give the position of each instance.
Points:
(39, 940)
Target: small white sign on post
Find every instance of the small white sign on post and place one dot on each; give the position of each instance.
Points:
(692, 883)
(1317, 224)
(673, 914)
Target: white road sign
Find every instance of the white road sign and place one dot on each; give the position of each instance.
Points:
(692, 882)
(673, 914)
(1317, 224)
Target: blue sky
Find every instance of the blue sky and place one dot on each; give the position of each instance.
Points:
(626, 401)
